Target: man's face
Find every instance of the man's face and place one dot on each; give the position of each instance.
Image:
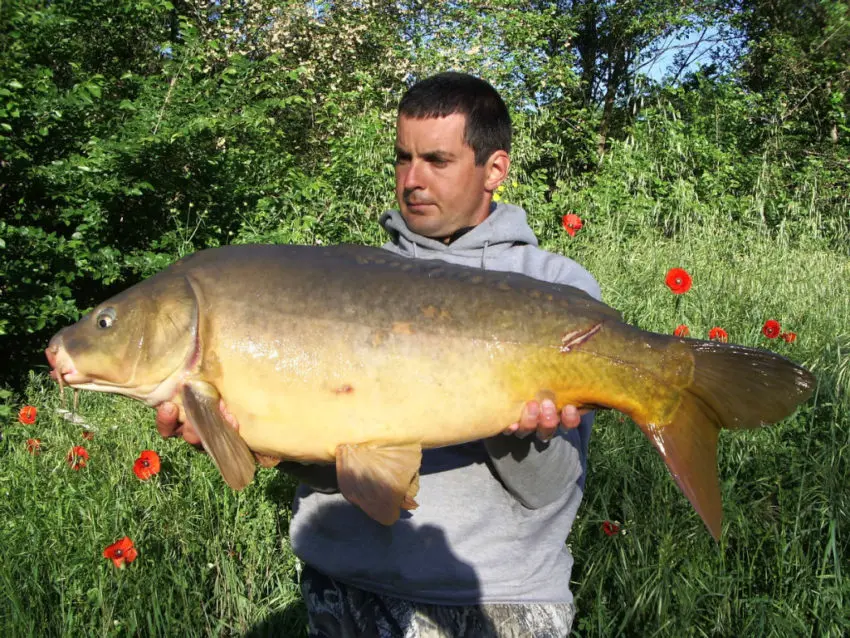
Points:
(437, 184)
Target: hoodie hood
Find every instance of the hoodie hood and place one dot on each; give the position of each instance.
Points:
(504, 228)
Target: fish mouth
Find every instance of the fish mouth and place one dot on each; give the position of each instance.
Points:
(63, 371)
(62, 368)
(70, 378)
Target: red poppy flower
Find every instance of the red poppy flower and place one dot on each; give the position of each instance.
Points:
(34, 446)
(718, 334)
(789, 337)
(682, 331)
(571, 223)
(77, 457)
(121, 552)
(27, 414)
(770, 329)
(610, 528)
(678, 281)
(146, 465)
(88, 435)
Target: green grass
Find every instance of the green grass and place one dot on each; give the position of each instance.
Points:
(212, 561)
(781, 568)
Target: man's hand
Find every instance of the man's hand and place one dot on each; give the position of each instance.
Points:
(168, 422)
(543, 418)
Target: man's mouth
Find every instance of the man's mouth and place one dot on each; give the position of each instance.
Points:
(417, 203)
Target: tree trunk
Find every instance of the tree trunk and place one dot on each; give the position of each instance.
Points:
(616, 77)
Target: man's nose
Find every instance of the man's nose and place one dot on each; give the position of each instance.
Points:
(412, 176)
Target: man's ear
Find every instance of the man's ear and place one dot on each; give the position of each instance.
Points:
(497, 170)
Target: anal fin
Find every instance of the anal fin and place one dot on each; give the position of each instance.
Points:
(380, 479)
(228, 450)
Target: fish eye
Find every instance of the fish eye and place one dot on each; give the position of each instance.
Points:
(105, 318)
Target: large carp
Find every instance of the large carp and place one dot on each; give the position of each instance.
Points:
(355, 356)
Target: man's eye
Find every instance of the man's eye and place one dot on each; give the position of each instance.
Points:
(439, 163)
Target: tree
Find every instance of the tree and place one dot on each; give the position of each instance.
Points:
(798, 55)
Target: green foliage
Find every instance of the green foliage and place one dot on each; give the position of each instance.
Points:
(697, 159)
(172, 136)
(134, 133)
(6, 398)
(798, 59)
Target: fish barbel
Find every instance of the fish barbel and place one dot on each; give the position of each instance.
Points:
(354, 356)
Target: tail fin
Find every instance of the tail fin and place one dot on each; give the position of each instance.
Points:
(732, 387)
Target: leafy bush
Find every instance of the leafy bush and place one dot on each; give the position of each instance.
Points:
(134, 133)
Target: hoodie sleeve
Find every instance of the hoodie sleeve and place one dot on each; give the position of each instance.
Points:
(537, 473)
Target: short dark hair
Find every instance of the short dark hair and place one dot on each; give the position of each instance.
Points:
(488, 123)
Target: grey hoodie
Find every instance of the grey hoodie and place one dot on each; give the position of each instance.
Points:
(493, 515)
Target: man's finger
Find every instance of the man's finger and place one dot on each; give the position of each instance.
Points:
(166, 419)
(190, 435)
(528, 419)
(227, 416)
(168, 424)
(511, 428)
(549, 417)
(548, 421)
(570, 417)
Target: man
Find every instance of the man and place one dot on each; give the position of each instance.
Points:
(484, 554)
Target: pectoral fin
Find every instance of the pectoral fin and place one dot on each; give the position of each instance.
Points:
(409, 502)
(379, 479)
(227, 449)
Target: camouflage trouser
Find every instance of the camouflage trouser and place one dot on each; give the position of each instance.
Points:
(340, 611)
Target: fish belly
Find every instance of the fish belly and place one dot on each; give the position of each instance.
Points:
(327, 384)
